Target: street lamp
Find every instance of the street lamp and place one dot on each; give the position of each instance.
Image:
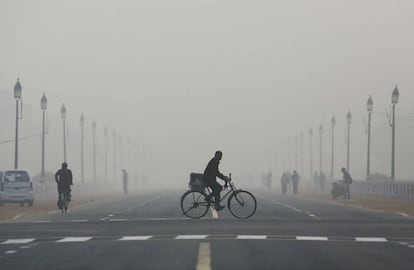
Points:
(370, 106)
(106, 153)
(94, 149)
(63, 114)
(310, 152)
(301, 153)
(114, 153)
(17, 96)
(320, 147)
(348, 122)
(394, 99)
(43, 106)
(82, 125)
(333, 124)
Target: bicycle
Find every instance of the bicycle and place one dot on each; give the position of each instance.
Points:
(64, 202)
(241, 203)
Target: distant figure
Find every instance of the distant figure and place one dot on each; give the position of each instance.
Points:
(63, 178)
(288, 180)
(125, 181)
(295, 182)
(283, 182)
(347, 180)
(210, 174)
(316, 180)
(269, 180)
(322, 179)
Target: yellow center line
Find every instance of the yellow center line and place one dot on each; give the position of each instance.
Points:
(214, 213)
(204, 257)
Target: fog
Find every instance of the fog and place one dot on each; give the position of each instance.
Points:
(182, 79)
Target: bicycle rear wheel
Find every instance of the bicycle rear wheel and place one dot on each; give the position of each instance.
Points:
(193, 204)
(242, 204)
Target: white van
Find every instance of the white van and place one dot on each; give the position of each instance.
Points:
(16, 187)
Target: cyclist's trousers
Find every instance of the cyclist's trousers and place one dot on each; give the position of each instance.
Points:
(216, 188)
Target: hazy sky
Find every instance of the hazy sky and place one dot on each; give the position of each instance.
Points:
(185, 78)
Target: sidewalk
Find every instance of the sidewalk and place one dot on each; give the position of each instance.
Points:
(404, 207)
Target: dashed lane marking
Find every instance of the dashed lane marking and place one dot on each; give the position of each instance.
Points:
(136, 238)
(10, 252)
(370, 239)
(204, 257)
(19, 241)
(252, 237)
(41, 221)
(191, 237)
(214, 213)
(79, 220)
(74, 239)
(312, 238)
(118, 219)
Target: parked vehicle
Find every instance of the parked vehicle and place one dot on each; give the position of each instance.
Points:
(16, 187)
(338, 189)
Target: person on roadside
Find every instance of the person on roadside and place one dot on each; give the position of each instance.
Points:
(295, 182)
(316, 180)
(322, 179)
(125, 181)
(210, 174)
(347, 180)
(64, 180)
(283, 183)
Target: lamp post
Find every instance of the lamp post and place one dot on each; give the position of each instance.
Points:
(82, 125)
(320, 147)
(17, 96)
(310, 152)
(333, 124)
(106, 153)
(301, 153)
(43, 106)
(370, 106)
(94, 149)
(394, 99)
(348, 122)
(114, 153)
(63, 114)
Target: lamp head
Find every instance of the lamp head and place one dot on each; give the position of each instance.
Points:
(370, 104)
(348, 117)
(43, 102)
(63, 111)
(82, 120)
(17, 90)
(395, 95)
(333, 122)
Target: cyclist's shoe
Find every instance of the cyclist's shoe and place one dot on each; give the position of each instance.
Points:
(219, 207)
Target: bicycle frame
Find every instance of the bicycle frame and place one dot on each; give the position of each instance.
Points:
(226, 186)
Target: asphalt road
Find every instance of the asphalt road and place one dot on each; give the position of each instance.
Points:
(148, 231)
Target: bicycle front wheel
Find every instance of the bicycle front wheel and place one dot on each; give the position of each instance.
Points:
(242, 204)
(193, 204)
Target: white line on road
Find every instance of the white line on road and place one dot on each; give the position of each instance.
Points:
(80, 220)
(19, 241)
(41, 221)
(191, 237)
(312, 238)
(251, 237)
(10, 252)
(74, 239)
(370, 239)
(118, 219)
(405, 215)
(136, 238)
(204, 257)
(286, 205)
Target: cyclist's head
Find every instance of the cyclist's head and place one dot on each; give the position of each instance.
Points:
(64, 165)
(343, 170)
(218, 155)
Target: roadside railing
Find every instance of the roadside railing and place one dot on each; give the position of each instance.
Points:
(397, 189)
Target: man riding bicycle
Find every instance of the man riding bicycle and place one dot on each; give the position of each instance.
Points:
(210, 174)
(63, 179)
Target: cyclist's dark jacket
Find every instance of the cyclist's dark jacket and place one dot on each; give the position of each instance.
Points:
(212, 171)
(63, 178)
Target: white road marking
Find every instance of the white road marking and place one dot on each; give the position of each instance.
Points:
(80, 220)
(136, 238)
(252, 237)
(287, 205)
(144, 203)
(411, 246)
(41, 221)
(370, 239)
(405, 215)
(312, 238)
(54, 212)
(18, 216)
(26, 246)
(214, 213)
(10, 252)
(204, 257)
(19, 241)
(74, 239)
(118, 219)
(190, 237)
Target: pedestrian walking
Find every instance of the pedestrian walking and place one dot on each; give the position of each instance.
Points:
(347, 180)
(283, 182)
(322, 179)
(295, 182)
(125, 181)
(316, 180)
